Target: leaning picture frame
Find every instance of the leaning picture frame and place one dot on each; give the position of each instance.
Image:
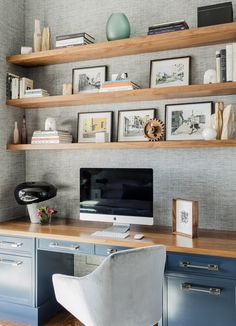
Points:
(186, 121)
(88, 79)
(92, 123)
(131, 124)
(170, 72)
(185, 217)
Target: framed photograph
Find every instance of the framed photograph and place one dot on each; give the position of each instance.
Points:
(186, 121)
(92, 123)
(185, 217)
(170, 72)
(87, 80)
(131, 123)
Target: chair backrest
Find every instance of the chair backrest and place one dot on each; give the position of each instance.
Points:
(125, 290)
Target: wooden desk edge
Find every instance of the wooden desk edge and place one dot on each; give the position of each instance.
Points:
(204, 245)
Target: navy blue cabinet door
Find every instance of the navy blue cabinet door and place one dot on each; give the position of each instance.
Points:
(204, 301)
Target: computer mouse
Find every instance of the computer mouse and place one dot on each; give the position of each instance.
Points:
(138, 236)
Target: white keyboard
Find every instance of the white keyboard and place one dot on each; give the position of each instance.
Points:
(111, 235)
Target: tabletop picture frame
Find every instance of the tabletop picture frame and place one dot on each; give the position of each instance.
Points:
(185, 217)
(170, 72)
(88, 79)
(131, 124)
(92, 123)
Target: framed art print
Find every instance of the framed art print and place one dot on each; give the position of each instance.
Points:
(170, 72)
(91, 123)
(87, 80)
(186, 121)
(185, 217)
(131, 123)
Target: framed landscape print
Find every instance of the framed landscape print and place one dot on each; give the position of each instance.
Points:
(88, 79)
(185, 217)
(170, 72)
(186, 121)
(94, 122)
(131, 123)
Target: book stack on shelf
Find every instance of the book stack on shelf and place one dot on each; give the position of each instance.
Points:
(69, 40)
(118, 85)
(16, 86)
(37, 92)
(167, 27)
(51, 137)
(226, 64)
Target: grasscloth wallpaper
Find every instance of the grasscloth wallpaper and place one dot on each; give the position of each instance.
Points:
(206, 175)
(12, 165)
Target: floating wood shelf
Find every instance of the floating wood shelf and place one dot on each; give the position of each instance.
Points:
(126, 145)
(142, 44)
(148, 94)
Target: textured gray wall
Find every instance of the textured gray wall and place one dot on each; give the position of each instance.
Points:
(12, 164)
(206, 175)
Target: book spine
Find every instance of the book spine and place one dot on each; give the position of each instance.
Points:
(167, 28)
(229, 62)
(160, 31)
(218, 66)
(223, 66)
(71, 36)
(78, 40)
(116, 84)
(234, 62)
(113, 89)
(175, 23)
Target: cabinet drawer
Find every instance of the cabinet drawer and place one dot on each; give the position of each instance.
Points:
(206, 265)
(16, 279)
(16, 244)
(66, 246)
(195, 301)
(102, 250)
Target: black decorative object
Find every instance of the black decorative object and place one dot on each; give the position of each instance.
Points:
(219, 13)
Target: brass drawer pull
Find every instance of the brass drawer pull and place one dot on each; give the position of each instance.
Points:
(11, 244)
(209, 267)
(10, 262)
(56, 245)
(111, 251)
(190, 287)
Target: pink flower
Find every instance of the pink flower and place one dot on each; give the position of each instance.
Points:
(39, 213)
(49, 211)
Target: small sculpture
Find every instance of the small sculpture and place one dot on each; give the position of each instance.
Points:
(50, 124)
(209, 133)
(46, 39)
(154, 129)
(210, 77)
(37, 36)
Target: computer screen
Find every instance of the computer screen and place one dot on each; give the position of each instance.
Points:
(120, 195)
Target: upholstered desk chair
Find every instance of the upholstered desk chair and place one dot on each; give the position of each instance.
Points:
(125, 290)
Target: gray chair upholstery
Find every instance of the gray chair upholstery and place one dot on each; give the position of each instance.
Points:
(125, 290)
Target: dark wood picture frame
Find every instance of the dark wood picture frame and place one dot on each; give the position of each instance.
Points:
(119, 123)
(83, 68)
(194, 218)
(90, 113)
(183, 104)
(170, 59)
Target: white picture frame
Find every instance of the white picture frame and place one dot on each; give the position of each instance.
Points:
(170, 72)
(186, 121)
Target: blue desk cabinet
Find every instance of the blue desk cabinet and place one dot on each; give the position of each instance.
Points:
(199, 290)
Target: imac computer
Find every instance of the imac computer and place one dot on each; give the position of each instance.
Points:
(120, 195)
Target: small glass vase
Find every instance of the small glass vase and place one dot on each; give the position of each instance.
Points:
(45, 219)
(118, 27)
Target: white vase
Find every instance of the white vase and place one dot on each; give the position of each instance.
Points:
(209, 133)
(32, 209)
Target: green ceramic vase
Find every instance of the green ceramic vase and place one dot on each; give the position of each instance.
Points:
(118, 27)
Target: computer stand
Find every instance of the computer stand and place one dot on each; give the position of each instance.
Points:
(118, 228)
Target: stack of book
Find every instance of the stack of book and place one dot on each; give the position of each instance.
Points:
(51, 137)
(168, 27)
(64, 41)
(226, 64)
(17, 86)
(118, 85)
(37, 92)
